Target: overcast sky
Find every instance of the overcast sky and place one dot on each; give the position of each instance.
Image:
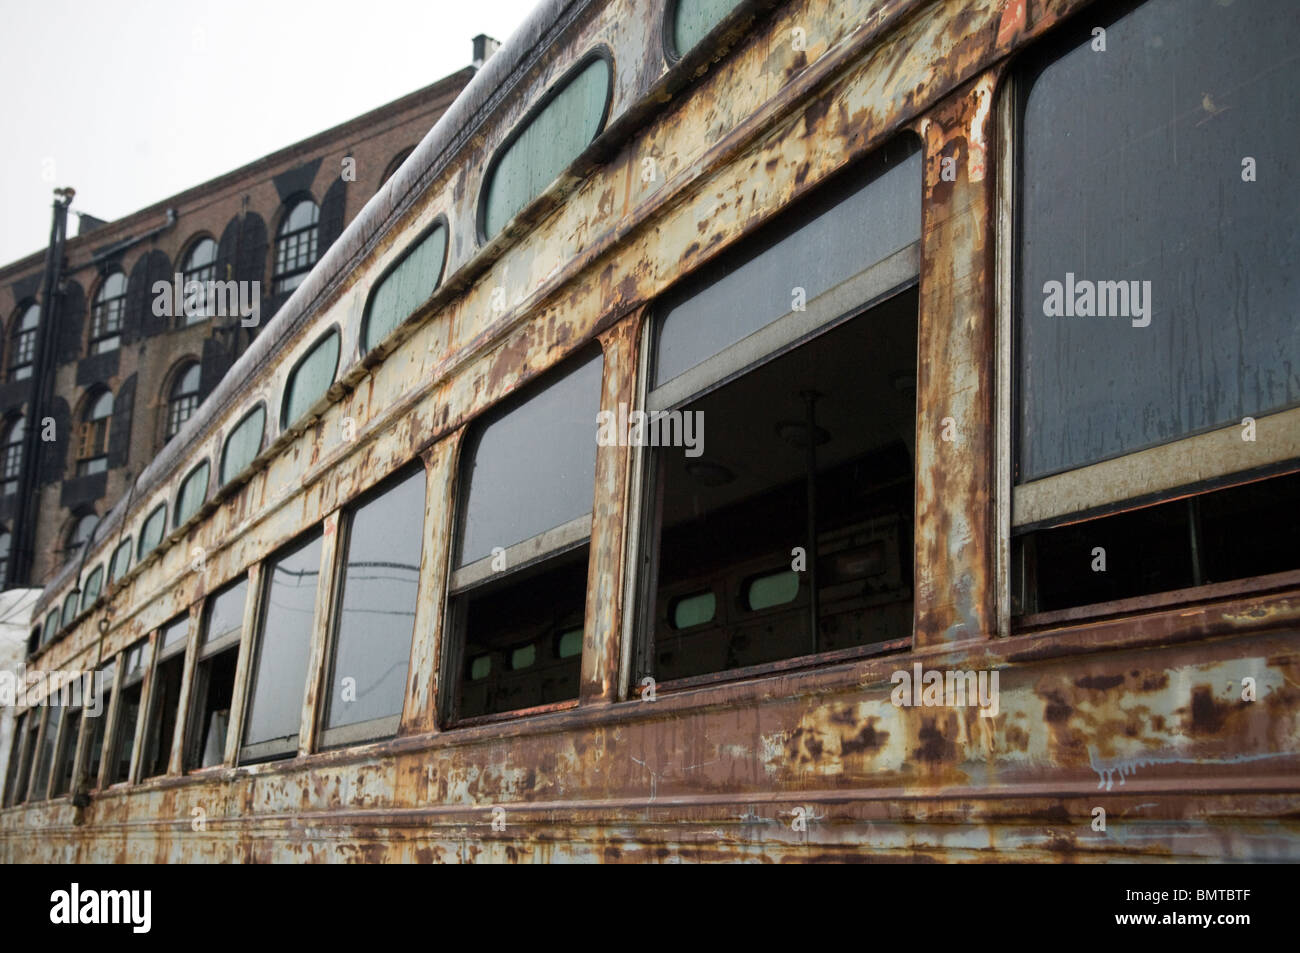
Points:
(131, 102)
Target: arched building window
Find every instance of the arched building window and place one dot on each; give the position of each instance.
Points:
(106, 317)
(394, 165)
(183, 397)
(92, 436)
(201, 266)
(11, 456)
(295, 245)
(79, 533)
(22, 343)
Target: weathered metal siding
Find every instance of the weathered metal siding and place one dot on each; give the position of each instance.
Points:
(1140, 716)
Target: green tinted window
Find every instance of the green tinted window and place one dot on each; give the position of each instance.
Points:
(546, 145)
(774, 590)
(523, 657)
(693, 19)
(481, 667)
(406, 286)
(69, 608)
(243, 444)
(193, 492)
(694, 610)
(90, 590)
(121, 560)
(151, 533)
(311, 378)
(570, 644)
(51, 626)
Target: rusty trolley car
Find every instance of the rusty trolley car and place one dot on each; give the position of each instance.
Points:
(694, 387)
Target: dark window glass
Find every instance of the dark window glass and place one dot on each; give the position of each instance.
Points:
(22, 347)
(214, 677)
(812, 450)
(45, 756)
(70, 604)
(128, 713)
(91, 587)
(16, 752)
(6, 543)
(546, 144)
(165, 698)
(1132, 171)
(533, 468)
(376, 614)
(824, 240)
(295, 246)
(311, 378)
(184, 398)
(98, 715)
(514, 633)
(66, 756)
(24, 749)
(11, 463)
(52, 626)
(406, 287)
(284, 644)
(243, 444)
(106, 315)
(82, 531)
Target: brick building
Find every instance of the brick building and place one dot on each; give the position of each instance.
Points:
(94, 380)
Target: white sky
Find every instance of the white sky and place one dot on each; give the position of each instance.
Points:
(145, 98)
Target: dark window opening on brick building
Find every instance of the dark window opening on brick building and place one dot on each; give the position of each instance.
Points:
(11, 457)
(201, 266)
(183, 399)
(106, 317)
(295, 246)
(22, 345)
(92, 434)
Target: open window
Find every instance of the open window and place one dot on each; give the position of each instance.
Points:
(780, 430)
(1157, 405)
(18, 750)
(98, 714)
(45, 749)
(65, 753)
(165, 697)
(214, 677)
(24, 750)
(520, 580)
(128, 713)
(283, 648)
(375, 619)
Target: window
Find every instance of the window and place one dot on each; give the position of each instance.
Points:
(92, 436)
(16, 752)
(295, 246)
(106, 315)
(569, 116)
(183, 398)
(45, 750)
(200, 266)
(284, 644)
(90, 589)
(151, 533)
(788, 532)
(22, 345)
(243, 444)
(406, 286)
(99, 721)
(121, 561)
(310, 378)
(128, 713)
(1164, 315)
(520, 579)
(23, 751)
(65, 753)
(214, 677)
(11, 463)
(6, 543)
(689, 21)
(376, 613)
(194, 490)
(70, 604)
(80, 533)
(52, 625)
(165, 697)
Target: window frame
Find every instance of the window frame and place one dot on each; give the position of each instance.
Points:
(289, 207)
(94, 433)
(439, 221)
(107, 315)
(222, 478)
(179, 516)
(22, 343)
(205, 651)
(11, 454)
(559, 85)
(171, 426)
(286, 393)
(668, 40)
(141, 553)
(189, 274)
